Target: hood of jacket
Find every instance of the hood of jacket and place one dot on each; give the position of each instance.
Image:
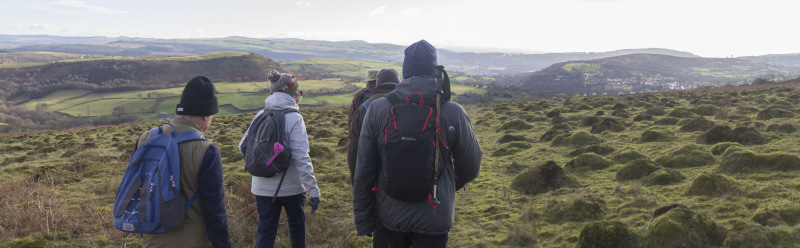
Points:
(280, 101)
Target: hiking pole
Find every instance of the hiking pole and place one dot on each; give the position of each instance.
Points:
(439, 93)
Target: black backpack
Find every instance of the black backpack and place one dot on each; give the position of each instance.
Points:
(408, 149)
(259, 148)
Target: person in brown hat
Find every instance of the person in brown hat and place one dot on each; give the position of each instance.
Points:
(362, 94)
(206, 222)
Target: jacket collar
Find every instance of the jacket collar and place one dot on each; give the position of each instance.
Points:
(280, 101)
(182, 125)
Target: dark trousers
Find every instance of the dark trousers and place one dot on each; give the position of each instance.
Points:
(270, 212)
(408, 239)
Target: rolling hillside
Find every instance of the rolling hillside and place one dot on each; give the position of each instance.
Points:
(131, 73)
(646, 72)
(694, 168)
(284, 50)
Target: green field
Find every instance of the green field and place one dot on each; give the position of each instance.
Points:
(461, 89)
(57, 97)
(233, 97)
(105, 106)
(341, 67)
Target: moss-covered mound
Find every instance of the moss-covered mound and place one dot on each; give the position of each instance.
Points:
(720, 148)
(706, 110)
(697, 124)
(621, 113)
(600, 234)
(655, 111)
(515, 124)
(626, 156)
(590, 160)
(713, 185)
(667, 121)
(590, 120)
(637, 169)
(680, 113)
(577, 139)
(750, 162)
(599, 149)
(559, 120)
(531, 118)
(681, 227)
(687, 156)
(747, 135)
(782, 128)
(655, 135)
(511, 137)
(555, 112)
(716, 134)
(751, 235)
(774, 112)
(643, 117)
(576, 209)
(665, 176)
(511, 148)
(607, 124)
(551, 134)
(776, 216)
(541, 178)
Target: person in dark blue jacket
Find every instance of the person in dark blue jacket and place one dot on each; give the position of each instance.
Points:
(206, 223)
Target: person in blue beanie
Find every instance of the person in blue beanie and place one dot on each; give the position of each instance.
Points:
(404, 223)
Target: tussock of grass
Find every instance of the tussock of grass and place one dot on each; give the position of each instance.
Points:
(682, 227)
(713, 185)
(606, 234)
(542, 178)
(599, 149)
(590, 160)
(686, 156)
(636, 169)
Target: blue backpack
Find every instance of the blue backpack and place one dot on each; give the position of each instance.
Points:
(149, 196)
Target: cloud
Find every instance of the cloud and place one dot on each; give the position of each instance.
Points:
(31, 27)
(73, 7)
(303, 4)
(410, 11)
(378, 11)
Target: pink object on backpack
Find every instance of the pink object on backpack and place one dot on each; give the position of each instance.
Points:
(278, 149)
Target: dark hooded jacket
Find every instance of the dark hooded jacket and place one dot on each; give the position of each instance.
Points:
(459, 165)
(355, 127)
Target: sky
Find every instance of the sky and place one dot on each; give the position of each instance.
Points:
(709, 28)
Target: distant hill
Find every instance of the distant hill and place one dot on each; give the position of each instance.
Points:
(284, 50)
(154, 72)
(646, 72)
(790, 60)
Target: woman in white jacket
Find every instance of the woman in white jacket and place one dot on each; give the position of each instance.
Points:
(285, 93)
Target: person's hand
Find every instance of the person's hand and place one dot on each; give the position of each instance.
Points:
(314, 203)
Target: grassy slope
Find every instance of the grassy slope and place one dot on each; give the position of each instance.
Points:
(241, 95)
(69, 189)
(338, 66)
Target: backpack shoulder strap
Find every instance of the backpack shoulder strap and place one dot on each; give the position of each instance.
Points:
(367, 103)
(188, 136)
